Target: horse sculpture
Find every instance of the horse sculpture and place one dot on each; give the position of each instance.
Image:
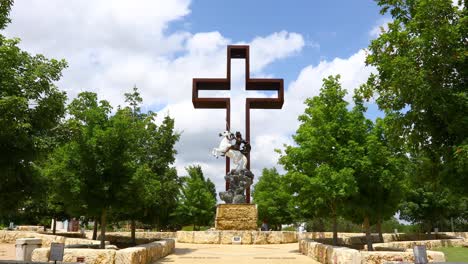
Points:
(225, 149)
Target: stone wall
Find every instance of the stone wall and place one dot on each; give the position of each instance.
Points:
(66, 234)
(140, 237)
(30, 228)
(9, 237)
(142, 254)
(341, 255)
(92, 256)
(247, 237)
(378, 257)
(463, 235)
(458, 242)
(360, 238)
(146, 253)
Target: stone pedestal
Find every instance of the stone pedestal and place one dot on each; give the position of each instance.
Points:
(236, 217)
(25, 247)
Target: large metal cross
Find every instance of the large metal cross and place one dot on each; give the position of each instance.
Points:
(238, 52)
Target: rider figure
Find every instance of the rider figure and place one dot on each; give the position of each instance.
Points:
(237, 146)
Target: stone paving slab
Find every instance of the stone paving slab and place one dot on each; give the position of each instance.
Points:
(7, 252)
(238, 254)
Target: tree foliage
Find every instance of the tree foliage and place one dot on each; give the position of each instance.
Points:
(344, 165)
(31, 107)
(112, 163)
(275, 204)
(197, 201)
(380, 170)
(421, 81)
(5, 7)
(320, 172)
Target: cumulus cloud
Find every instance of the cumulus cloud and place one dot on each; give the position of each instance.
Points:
(381, 25)
(113, 45)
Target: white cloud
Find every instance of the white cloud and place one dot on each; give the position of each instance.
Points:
(353, 72)
(382, 24)
(265, 50)
(113, 45)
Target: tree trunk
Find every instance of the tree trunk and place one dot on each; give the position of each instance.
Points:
(368, 234)
(103, 228)
(379, 230)
(54, 226)
(133, 227)
(335, 230)
(95, 228)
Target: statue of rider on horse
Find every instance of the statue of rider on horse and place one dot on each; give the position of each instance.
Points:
(233, 151)
(239, 178)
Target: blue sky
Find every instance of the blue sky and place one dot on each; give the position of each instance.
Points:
(160, 45)
(332, 28)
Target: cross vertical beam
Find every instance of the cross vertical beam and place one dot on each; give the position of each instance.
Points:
(238, 52)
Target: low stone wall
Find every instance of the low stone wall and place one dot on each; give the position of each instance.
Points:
(247, 237)
(9, 237)
(30, 228)
(378, 257)
(458, 242)
(146, 253)
(463, 235)
(140, 237)
(337, 255)
(67, 234)
(329, 254)
(92, 256)
(360, 238)
(142, 254)
(82, 241)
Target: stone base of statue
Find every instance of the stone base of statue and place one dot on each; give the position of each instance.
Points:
(238, 180)
(236, 217)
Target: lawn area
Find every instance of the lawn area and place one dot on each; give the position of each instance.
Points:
(454, 254)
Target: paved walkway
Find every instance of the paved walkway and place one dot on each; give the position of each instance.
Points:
(7, 252)
(238, 254)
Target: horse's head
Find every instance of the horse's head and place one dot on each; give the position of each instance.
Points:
(226, 134)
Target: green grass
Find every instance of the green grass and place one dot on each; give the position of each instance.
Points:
(454, 254)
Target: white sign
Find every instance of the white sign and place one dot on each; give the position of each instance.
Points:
(236, 240)
(56, 251)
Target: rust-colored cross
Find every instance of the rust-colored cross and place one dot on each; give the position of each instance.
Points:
(238, 52)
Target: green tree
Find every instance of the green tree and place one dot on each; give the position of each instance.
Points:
(320, 172)
(197, 202)
(154, 185)
(430, 203)
(5, 7)
(80, 170)
(421, 81)
(113, 165)
(31, 107)
(274, 202)
(380, 170)
(160, 155)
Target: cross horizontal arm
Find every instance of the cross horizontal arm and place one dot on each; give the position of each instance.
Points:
(265, 85)
(210, 84)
